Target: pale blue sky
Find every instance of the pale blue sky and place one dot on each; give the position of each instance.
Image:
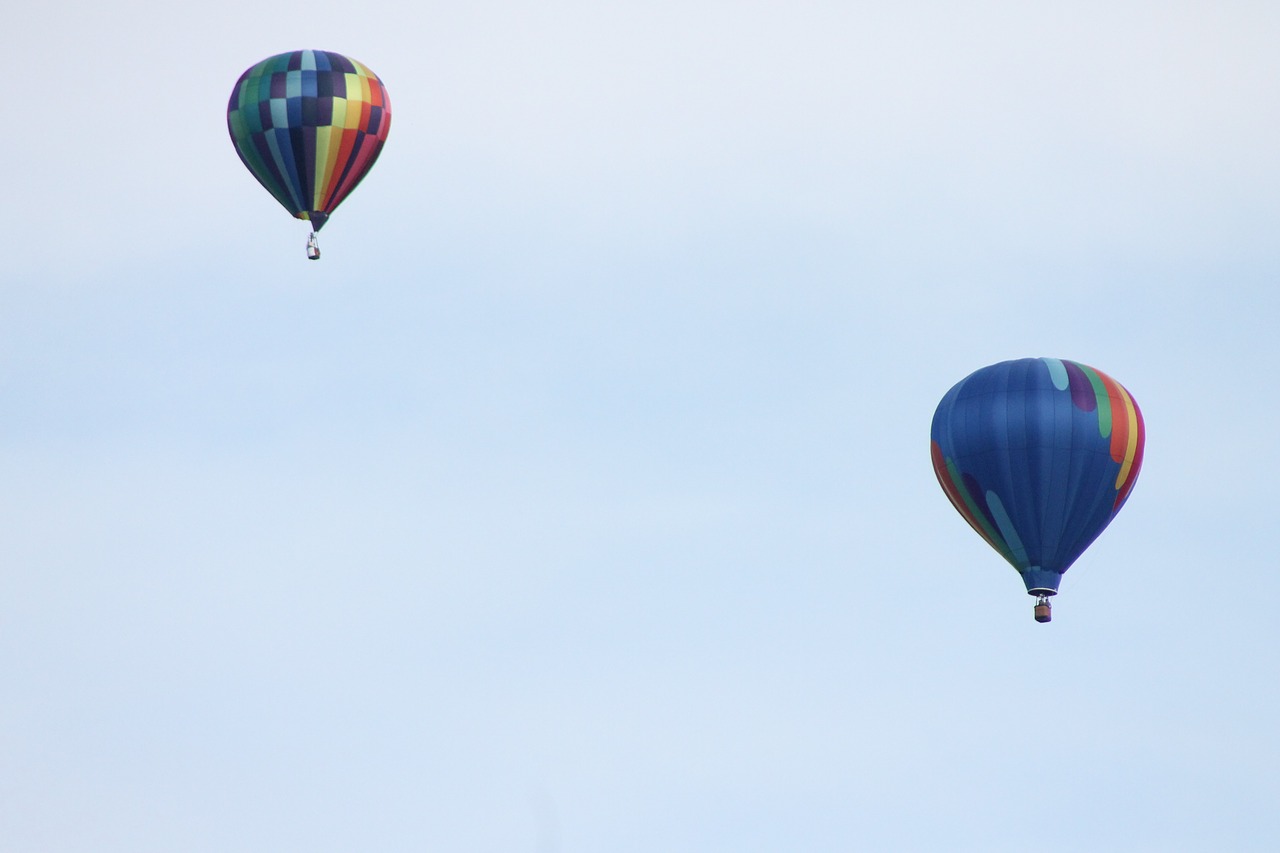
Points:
(579, 499)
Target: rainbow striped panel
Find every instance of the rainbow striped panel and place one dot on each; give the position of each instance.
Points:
(309, 124)
(1038, 455)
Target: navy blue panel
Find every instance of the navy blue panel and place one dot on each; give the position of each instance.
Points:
(298, 144)
(307, 112)
(323, 111)
(340, 63)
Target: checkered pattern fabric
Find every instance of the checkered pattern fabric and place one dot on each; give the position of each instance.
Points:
(308, 125)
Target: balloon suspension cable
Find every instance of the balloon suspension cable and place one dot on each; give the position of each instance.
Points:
(313, 247)
(1044, 612)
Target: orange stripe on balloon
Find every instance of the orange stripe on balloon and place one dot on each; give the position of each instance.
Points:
(1121, 417)
(1133, 452)
(1125, 457)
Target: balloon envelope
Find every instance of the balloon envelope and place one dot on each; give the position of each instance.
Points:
(309, 124)
(1038, 455)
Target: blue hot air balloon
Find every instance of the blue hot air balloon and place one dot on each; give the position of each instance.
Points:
(1038, 455)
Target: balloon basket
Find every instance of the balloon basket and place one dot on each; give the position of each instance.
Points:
(313, 247)
(1043, 612)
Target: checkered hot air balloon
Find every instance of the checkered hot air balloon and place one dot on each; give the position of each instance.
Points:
(309, 124)
(1038, 455)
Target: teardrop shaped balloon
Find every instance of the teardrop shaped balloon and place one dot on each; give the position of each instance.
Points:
(309, 124)
(1038, 455)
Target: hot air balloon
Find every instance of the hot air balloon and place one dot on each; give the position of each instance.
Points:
(1038, 455)
(309, 124)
